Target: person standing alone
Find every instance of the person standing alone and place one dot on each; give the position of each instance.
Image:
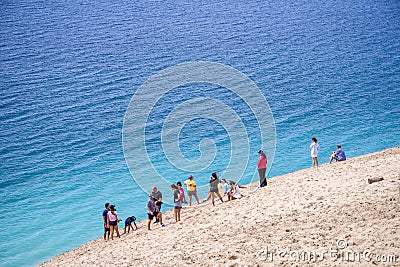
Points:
(314, 147)
(262, 167)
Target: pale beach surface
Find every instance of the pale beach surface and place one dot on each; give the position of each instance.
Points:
(331, 211)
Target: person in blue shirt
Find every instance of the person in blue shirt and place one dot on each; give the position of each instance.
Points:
(339, 155)
(153, 211)
(128, 223)
(105, 221)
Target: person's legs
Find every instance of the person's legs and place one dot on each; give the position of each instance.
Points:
(179, 214)
(332, 157)
(314, 162)
(176, 214)
(159, 210)
(212, 198)
(107, 233)
(219, 196)
(190, 199)
(125, 229)
(261, 173)
(159, 215)
(112, 232)
(209, 195)
(116, 229)
(197, 198)
(149, 223)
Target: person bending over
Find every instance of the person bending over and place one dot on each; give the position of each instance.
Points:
(128, 223)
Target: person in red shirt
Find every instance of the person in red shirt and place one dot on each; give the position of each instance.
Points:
(181, 192)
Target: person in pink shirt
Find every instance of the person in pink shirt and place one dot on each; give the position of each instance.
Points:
(262, 167)
(113, 221)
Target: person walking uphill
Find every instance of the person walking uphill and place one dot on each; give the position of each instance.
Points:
(262, 167)
(214, 181)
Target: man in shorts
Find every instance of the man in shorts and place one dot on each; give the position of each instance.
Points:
(158, 199)
(153, 211)
(105, 221)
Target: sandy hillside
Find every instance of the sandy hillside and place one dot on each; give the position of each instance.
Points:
(330, 212)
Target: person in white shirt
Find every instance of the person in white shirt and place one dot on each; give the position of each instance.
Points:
(314, 147)
(234, 193)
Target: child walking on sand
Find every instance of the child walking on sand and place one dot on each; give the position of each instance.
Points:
(314, 147)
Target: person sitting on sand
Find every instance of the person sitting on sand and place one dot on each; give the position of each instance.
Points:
(113, 221)
(181, 192)
(177, 203)
(214, 181)
(128, 223)
(191, 189)
(262, 167)
(153, 211)
(234, 193)
(105, 221)
(339, 155)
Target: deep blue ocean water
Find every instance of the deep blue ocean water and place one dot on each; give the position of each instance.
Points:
(69, 69)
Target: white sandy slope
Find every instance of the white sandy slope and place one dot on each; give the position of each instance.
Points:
(298, 214)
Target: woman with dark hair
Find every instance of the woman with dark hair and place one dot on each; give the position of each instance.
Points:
(214, 181)
(181, 192)
(314, 147)
(262, 167)
(113, 221)
(177, 203)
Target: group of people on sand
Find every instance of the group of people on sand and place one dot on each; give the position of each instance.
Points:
(337, 155)
(111, 220)
(218, 187)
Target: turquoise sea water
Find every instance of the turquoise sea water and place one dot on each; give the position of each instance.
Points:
(68, 71)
